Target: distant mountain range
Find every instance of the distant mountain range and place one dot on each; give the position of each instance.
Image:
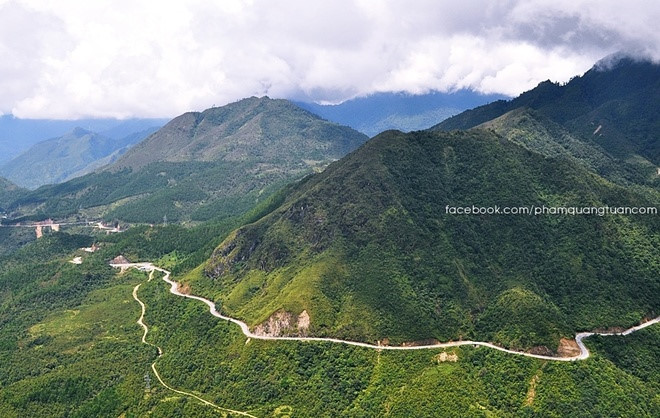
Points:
(205, 165)
(74, 154)
(383, 111)
(17, 135)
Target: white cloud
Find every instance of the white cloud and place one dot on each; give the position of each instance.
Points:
(140, 58)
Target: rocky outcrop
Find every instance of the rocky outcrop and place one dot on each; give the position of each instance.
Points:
(568, 348)
(283, 323)
(120, 259)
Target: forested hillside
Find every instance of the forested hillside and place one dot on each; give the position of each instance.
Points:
(368, 249)
(70, 346)
(301, 227)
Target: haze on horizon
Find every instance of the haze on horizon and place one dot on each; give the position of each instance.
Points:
(73, 59)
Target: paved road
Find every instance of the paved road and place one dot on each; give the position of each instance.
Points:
(584, 352)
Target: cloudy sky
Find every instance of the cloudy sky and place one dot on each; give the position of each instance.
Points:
(122, 58)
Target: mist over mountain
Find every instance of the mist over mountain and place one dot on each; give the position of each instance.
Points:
(302, 227)
(383, 111)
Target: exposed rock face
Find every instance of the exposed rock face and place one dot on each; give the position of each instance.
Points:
(444, 356)
(184, 288)
(568, 348)
(120, 259)
(283, 323)
(303, 322)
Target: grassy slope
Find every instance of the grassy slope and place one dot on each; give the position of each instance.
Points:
(368, 250)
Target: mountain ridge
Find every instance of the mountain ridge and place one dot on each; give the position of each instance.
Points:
(607, 106)
(379, 112)
(192, 136)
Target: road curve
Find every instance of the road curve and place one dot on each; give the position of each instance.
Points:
(584, 351)
(140, 322)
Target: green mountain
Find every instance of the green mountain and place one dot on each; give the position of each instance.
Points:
(366, 249)
(72, 155)
(538, 133)
(609, 109)
(204, 165)
(369, 252)
(274, 134)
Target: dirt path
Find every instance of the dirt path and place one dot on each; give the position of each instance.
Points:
(140, 322)
(584, 352)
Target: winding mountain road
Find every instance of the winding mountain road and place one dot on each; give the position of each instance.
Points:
(584, 352)
(140, 322)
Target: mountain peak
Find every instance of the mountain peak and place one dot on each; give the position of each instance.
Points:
(373, 252)
(621, 59)
(242, 130)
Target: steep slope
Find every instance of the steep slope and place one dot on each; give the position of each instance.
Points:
(612, 107)
(72, 155)
(367, 250)
(538, 133)
(207, 165)
(70, 347)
